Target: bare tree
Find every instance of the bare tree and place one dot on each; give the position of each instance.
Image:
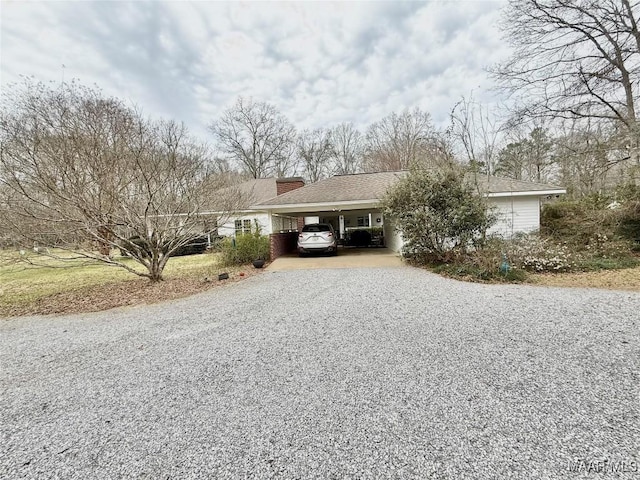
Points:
(591, 158)
(438, 154)
(314, 148)
(258, 138)
(346, 149)
(86, 174)
(574, 59)
(477, 133)
(398, 141)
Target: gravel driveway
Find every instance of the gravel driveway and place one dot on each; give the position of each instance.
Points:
(363, 373)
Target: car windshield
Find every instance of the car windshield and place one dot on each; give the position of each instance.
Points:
(316, 228)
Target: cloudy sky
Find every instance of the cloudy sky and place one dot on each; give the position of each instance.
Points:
(319, 63)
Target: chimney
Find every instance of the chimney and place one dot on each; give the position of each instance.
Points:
(284, 185)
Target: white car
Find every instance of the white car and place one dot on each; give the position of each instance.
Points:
(317, 238)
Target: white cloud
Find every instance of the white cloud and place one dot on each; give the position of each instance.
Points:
(319, 63)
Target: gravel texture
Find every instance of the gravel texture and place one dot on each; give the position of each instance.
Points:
(363, 373)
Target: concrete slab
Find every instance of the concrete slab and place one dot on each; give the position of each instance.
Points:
(346, 258)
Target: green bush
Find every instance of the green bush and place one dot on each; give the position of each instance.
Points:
(515, 275)
(480, 267)
(629, 221)
(245, 249)
(485, 264)
(599, 232)
(536, 254)
(532, 253)
(542, 255)
(439, 214)
(576, 222)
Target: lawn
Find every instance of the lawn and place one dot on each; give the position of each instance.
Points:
(39, 284)
(621, 279)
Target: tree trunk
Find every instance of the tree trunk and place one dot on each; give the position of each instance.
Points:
(156, 268)
(104, 246)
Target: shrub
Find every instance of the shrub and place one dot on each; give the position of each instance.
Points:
(629, 221)
(216, 243)
(598, 231)
(532, 253)
(482, 265)
(439, 214)
(535, 254)
(245, 249)
(576, 222)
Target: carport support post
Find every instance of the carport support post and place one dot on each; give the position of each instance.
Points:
(341, 226)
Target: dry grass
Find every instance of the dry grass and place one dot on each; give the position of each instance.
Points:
(624, 279)
(45, 286)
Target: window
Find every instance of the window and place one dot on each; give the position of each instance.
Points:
(243, 226)
(363, 221)
(316, 228)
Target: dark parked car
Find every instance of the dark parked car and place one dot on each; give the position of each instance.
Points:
(360, 238)
(195, 246)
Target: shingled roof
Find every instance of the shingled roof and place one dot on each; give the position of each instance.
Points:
(257, 190)
(340, 188)
(373, 186)
(242, 195)
(497, 185)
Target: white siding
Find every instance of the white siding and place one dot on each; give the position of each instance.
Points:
(392, 238)
(515, 214)
(229, 229)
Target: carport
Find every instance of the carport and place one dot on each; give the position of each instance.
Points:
(358, 229)
(350, 203)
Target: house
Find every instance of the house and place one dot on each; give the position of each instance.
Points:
(351, 202)
(233, 210)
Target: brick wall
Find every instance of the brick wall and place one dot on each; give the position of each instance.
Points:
(284, 185)
(282, 243)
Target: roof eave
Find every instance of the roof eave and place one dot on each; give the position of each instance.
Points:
(319, 206)
(527, 193)
(355, 204)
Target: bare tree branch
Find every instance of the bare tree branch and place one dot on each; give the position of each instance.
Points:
(258, 138)
(574, 59)
(86, 174)
(314, 149)
(398, 141)
(346, 149)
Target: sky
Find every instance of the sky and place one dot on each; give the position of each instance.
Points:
(319, 63)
